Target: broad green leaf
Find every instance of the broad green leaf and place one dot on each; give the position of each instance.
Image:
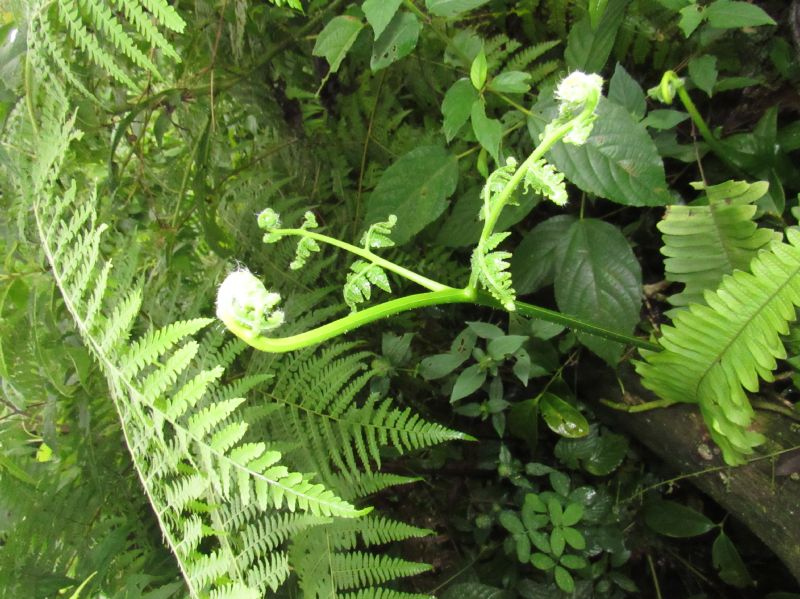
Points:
(564, 580)
(664, 118)
(729, 14)
(379, 13)
(537, 258)
(626, 91)
(619, 161)
(523, 421)
(703, 72)
(588, 48)
(457, 106)
(336, 38)
(452, 8)
(673, 519)
(574, 562)
(557, 542)
(511, 82)
(600, 280)
(488, 131)
(417, 200)
(435, 367)
(691, 17)
(484, 330)
(463, 225)
(574, 538)
(511, 522)
(596, 10)
(562, 417)
(478, 70)
(729, 563)
(398, 39)
(572, 515)
(504, 346)
(469, 381)
(542, 561)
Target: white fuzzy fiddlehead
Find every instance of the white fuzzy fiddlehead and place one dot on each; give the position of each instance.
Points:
(246, 307)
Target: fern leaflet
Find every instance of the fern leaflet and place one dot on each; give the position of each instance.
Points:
(715, 352)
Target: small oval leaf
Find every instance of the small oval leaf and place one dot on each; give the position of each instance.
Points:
(562, 418)
(672, 519)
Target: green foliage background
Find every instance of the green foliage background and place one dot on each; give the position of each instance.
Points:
(147, 454)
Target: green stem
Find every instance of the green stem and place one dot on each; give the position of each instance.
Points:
(354, 320)
(705, 131)
(367, 255)
(572, 322)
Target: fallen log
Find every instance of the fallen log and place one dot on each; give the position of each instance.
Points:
(764, 494)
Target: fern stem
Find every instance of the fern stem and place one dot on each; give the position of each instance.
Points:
(572, 322)
(367, 255)
(354, 320)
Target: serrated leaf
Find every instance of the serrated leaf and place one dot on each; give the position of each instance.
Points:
(416, 201)
(379, 13)
(599, 279)
(488, 131)
(457, 106)
(619, 161)
(703, 72)
(730, 14)
(452, 8)
(626, 91)
(435, 367)
(511, 82)
(397, 40)
(469, 381)
(588, 48)
(691, 17)
(562, 417)
(336, 39)
(537, 257)
(478, 70)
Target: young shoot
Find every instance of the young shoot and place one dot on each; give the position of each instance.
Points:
(248, 309)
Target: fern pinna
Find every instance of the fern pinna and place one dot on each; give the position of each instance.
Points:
(714, 352)
(225, 500)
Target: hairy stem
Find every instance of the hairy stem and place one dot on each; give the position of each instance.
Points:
(367, 255)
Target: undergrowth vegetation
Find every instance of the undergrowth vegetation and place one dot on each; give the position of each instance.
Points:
(364, 299)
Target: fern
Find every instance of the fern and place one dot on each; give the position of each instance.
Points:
(715, 352)
(93, 27)
(191, 454)
(703, 243)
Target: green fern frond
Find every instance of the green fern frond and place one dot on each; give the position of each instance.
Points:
(524, 58)
(739, 344)
(191, 453)
(703, 243)
(94, 27)
(324, 572)
(305, 245)
(375, 530)
(358, 285)
(492, 270)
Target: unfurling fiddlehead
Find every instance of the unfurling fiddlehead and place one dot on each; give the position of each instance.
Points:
(248, 309)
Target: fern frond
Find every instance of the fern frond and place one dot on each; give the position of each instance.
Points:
(375, 530)
(358, 286)
(524, 58)
(191, 453)
(324, 572)
(715, 352)
(703, 243)
(492, 270)
(382, 593)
